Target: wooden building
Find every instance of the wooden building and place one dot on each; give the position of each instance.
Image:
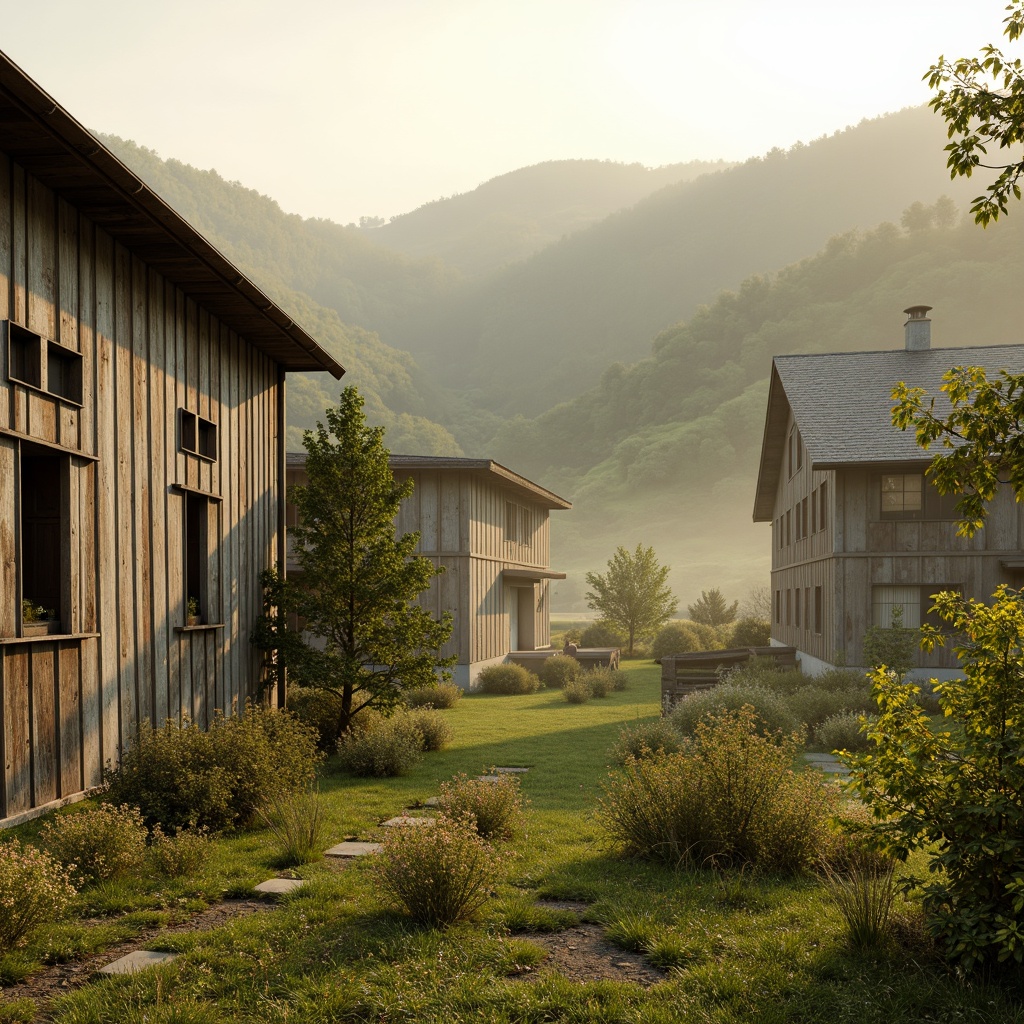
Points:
(857, 529)
(142, 411)
(489, 528)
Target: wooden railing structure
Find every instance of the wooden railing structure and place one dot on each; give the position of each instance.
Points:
(682, 674)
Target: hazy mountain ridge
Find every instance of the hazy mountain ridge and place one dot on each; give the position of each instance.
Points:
(515, 215)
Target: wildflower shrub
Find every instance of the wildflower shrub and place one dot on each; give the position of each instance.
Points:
(388, 747)
(843, 732)
(179, 854)
(34, 889)
(769, 711)
(98, 843)
(577, 691)
(556, 671)
(441, 875)
(181, 776)
(601, 681)
(495, 809)
(645, 739)
(441, 696)
(729, 797)
(508, 679)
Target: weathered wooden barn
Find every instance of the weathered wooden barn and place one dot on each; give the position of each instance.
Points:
(142, 411)
(858, 531)
(489, 527)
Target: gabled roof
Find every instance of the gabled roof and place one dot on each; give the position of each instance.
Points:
(842, 405)
(485, 467)
(42, 137)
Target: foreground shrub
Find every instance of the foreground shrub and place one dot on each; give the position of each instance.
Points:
(182, 853)
(433, 728)
(577, 691)
(444, 695)
(34, 889)
(555, 672)
(957, 792)
(729, 798)
(298, 822)
(494, 808)
(441, 875)
(392, 747)
(507, 679)
(771, 714)
(646, 739)
(319, 710)
(101, 842)
(181, 776)
(751, 632)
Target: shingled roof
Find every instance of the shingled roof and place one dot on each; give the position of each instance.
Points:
(41, 136)
(842, 405)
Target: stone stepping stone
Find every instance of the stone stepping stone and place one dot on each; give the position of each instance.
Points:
(431, 801)
(351, 848)
(489, 778)
(827, 763)
(511, 771)
(279, 886)
(407, 819)
(137, 961)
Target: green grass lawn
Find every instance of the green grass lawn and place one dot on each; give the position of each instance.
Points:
(732, 948)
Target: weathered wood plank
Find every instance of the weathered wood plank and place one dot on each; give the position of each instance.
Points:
(92, 714)
(19, 245)
(17, 730)
(69, 721)
(8, 539)
(161, 423)
(41, 259)
(45, 767)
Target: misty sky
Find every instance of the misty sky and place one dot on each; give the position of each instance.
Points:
(344, 108)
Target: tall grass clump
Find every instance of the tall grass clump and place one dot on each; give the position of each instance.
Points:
(603, 680)
(843, 732)
(97, 843)
(770, 713)
(729, 797)
(298, 822)
(34, 889)
(507, 679)
(181, 776)
(558, 670)
(388, 748)
(494, 808)
(441, 696)
(864, 895)
(440, 875)
(577, 691)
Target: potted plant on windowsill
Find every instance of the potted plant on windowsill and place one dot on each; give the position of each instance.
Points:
(37, 620)
(193, 618)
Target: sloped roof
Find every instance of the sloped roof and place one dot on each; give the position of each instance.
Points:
(527, 488)
(842, 404)
(42, 137)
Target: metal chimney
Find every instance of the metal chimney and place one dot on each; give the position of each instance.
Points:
(918, 329)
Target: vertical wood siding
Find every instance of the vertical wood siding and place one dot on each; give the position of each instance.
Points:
(69, 705)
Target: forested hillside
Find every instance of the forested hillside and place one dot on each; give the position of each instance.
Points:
(545, 329)
(517, 214)
(665, 451)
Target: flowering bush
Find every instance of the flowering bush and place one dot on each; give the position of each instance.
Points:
(442, 874)
(729, 797)
(390, 747)
(98, 843)
(494, 808)
(33, 888)
(180, 854)
(433, 728)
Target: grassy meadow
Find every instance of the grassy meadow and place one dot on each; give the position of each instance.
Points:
(731, 948)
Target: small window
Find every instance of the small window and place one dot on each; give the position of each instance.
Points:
(818, 600)
(64, 373)
(24, 351)
(778, 607)
(902, 494)
(799, 451)
(796, 607)
(803, 517)
(823, 505)
(199, 528)
(788, 532)
(197, 435)
(814, 513)
(789, 607)
(43, 540)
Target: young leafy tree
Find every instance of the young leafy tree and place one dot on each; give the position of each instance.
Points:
(712, 610)
(632, 595)
(957, 792)
(359, 581)
(982, 101)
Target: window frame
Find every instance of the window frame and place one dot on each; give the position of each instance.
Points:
(32, 360)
